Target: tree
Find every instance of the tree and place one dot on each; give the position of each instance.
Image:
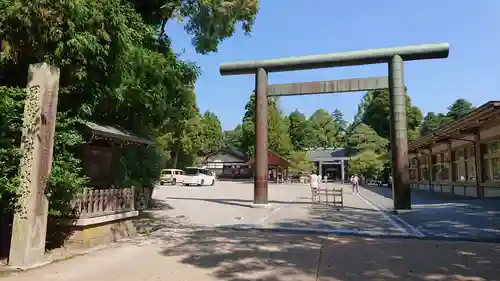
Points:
(338, 118)
(116, 70)
(326, 132)
(278, 136)
(367, 163)
(358, 118)
(233, 137)
(365, 138)
(300, 162)
(212, 138)
(459, 109)
(376, 113)
(208, 22)
(432, 121)
(300, 130)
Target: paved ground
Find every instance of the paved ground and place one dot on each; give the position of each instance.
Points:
(193, 241)
(230, 204)
(207, 254)
(445, 215)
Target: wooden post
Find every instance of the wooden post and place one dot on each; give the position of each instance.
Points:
(479, 155)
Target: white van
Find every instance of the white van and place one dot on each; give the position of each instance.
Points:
(198, 176)
(172, 176)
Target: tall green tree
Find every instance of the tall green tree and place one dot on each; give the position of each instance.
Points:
(456, 110)
(367, 163)
(432, 121)
(459, 109)
(300, 130)
(326, 132)
(300, 162)
(365, 138)
(376, 113)
(342, 125)
(278, 136)
(234, 137)
(212, 138)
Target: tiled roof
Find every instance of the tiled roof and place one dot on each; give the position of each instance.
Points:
(115, 133)
(231, 151)
(321, 153)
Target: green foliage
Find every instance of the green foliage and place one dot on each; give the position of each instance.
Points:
(138, 166)
(67, 177)
(457, 110)
(365, 138)
(278, 136)
(115, 70)
(367, 163)
(212, 133)
(11, 112)
(326, 131)
(208, 22)
(300, 131)
(433, 121)
(300, 162)
(232, 138)
(376, 114)
(342, 126)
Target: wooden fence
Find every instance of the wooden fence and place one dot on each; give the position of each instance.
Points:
(100, 202)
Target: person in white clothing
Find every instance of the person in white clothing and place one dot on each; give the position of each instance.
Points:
(314, 184)
(355, 184)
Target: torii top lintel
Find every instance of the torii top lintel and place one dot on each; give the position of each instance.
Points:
(352, 58)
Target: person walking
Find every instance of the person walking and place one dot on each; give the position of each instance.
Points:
(314, 184)
(355, 183)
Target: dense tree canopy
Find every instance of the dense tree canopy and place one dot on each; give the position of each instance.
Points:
(278, 137)
(300, 131)
(212, 138)
(117, 68)
(456, 111)
(365, 138)
(326, 132)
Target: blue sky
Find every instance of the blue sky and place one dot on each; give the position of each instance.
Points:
(285, 28)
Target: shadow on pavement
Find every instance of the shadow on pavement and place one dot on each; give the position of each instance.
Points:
(347, 218)
(319, 216)
(151, 220)
(450, 215)
(238, 256)
(423, 197)
(237, 202)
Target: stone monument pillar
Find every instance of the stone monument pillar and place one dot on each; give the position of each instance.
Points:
(30, 221)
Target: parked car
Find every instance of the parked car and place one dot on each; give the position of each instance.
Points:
(198, 176)
(172, 176)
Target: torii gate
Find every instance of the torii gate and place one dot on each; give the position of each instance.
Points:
(394, 57)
